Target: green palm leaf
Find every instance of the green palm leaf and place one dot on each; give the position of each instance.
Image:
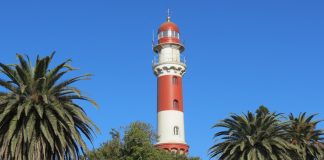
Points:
(250, 136)
(303, 133)
(39, 118)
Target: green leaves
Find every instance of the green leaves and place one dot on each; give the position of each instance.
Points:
(264, 135)
(258, 136)
(39, 118)
(136, 144)
(303, 133)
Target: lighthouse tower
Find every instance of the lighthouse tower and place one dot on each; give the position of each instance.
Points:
(169, 67)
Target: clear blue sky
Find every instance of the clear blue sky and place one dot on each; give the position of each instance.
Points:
(240, 54)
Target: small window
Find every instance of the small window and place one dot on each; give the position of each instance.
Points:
(175, 104)
(176, 130)
(164, 33)
(169, 33)
(173, 33)
(174, 80)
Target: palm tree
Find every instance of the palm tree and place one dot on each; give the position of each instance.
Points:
(39, 118)
(303, 133)
(252, 136)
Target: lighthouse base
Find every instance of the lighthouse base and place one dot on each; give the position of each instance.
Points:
(179, 148)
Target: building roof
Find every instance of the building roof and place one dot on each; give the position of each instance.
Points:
(168, 25)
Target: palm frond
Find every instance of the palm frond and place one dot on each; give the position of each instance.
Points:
(39, 118)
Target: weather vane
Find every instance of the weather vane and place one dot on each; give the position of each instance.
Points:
(169, 15)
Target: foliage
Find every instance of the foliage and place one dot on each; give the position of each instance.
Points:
(137, 144)
(262, 111)
(303, 133)
(251, 137)
(39, 118)
(264, 136)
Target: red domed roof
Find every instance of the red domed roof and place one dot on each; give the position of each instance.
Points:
(165, 37)
(168, 25)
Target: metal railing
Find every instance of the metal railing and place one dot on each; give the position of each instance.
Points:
(181, 60)
(155, 42)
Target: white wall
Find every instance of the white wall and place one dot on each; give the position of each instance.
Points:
(167, 120)
(169, 54)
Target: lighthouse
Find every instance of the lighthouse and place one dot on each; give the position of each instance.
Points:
(169, 67)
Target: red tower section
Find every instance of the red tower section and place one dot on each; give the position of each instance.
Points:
(170, 93)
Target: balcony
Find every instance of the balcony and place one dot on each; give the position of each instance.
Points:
(157, 46)
(180, 61)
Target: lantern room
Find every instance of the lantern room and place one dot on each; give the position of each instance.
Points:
(168, 33)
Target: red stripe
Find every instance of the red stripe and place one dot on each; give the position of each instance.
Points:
(169, 40)
(174, 146)
(169, 92)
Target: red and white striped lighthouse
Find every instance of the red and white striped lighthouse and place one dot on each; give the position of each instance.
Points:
(169, 67)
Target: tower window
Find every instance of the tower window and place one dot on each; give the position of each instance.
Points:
(174, 80)
(175, 104)
(164, 33)
(176, 130)
(173, 34)
(168, 33)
